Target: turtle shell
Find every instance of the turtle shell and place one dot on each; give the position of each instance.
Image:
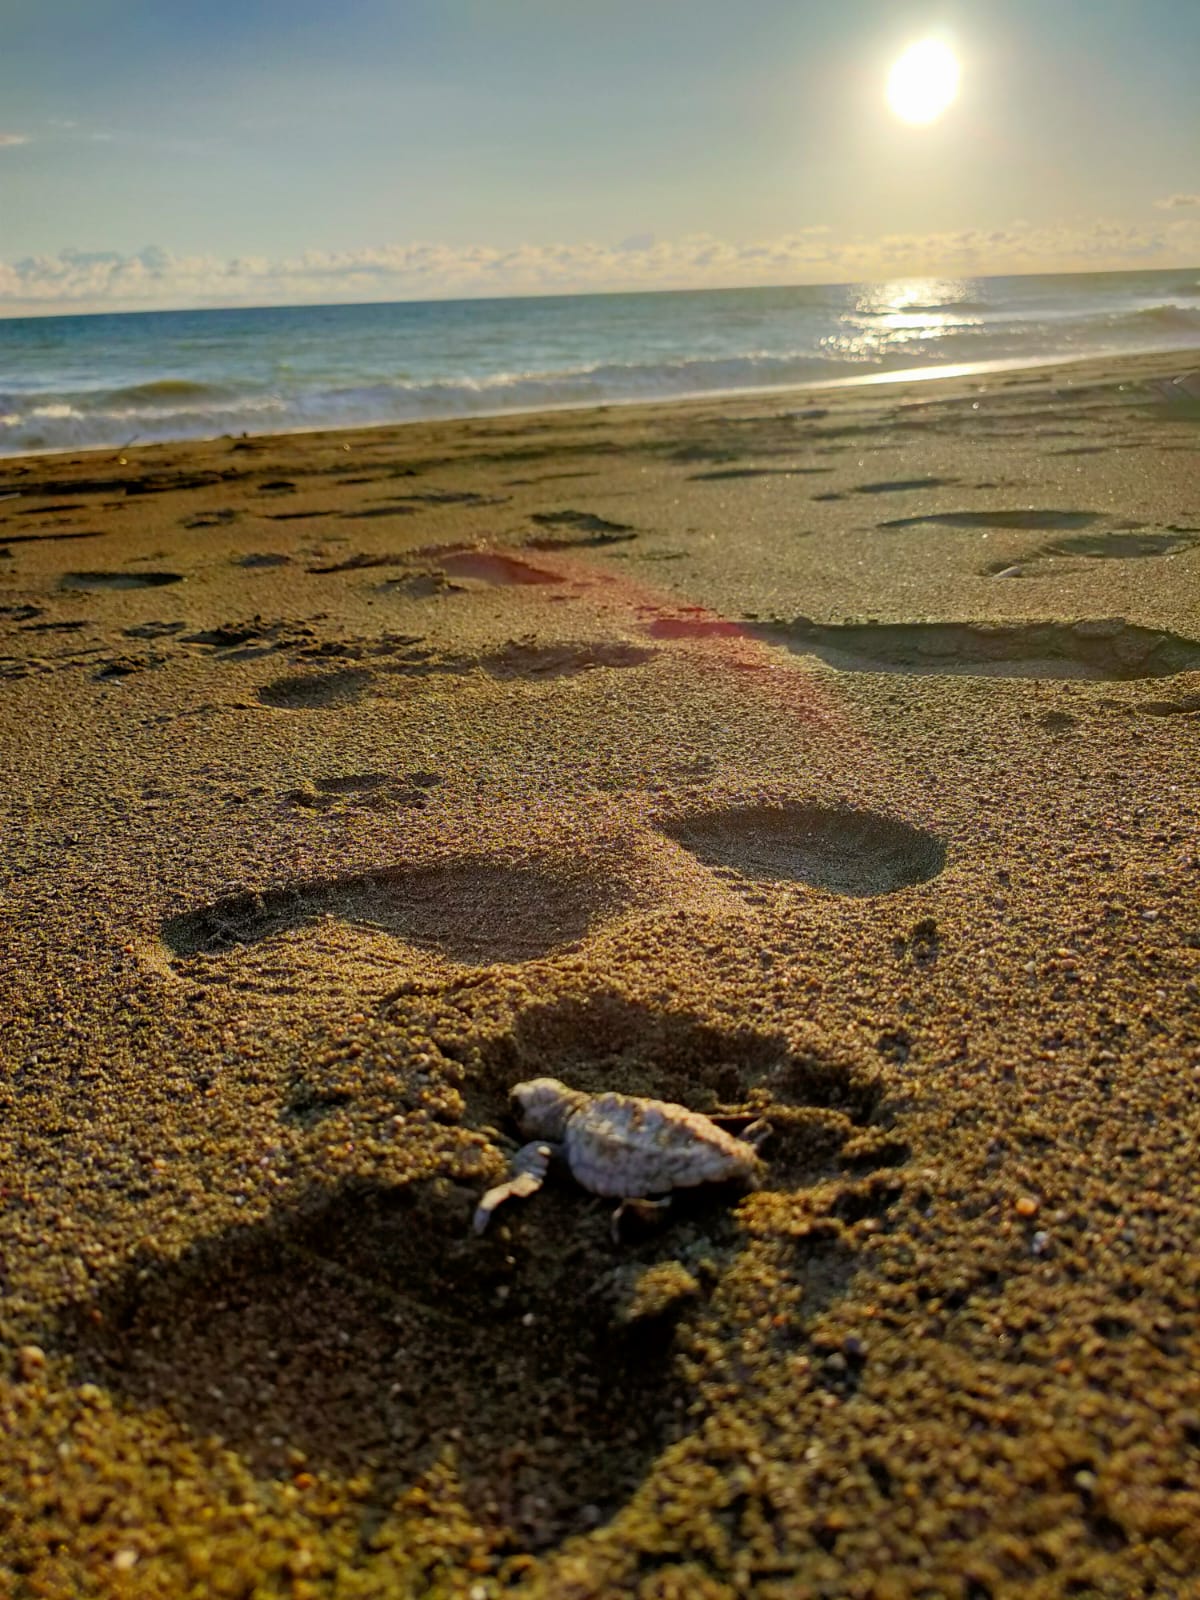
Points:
(627, 1147)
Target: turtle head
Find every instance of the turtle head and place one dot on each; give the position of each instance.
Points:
(541, 1107)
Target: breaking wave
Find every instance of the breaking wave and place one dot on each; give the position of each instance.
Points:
(1167, 317)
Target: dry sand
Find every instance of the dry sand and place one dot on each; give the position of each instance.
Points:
(829, 755)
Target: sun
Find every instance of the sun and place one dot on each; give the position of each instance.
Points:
(923, 82)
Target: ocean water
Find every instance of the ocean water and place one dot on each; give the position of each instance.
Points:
(70, 382)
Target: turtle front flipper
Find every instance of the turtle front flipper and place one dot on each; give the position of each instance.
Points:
(528, 1168)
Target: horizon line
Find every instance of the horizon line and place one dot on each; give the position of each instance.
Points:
(589, 294)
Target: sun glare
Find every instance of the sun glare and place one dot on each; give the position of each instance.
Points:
(923, 82)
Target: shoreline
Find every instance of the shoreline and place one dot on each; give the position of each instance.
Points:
(947, 373)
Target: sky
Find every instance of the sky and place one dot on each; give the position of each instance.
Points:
(170, 153)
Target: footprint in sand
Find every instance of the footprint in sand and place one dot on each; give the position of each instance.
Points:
(316, 691)
(153, 630)
(1100, 648)
(406, 659)
(1022, 518)
(98, 581)
(211, 519)
(376, 791)
(603, 1039)
(50, 538)
(1122, 546)
(356, 563)
(409, 505)
(1119, 546)
(149, 483)
(235, 635)
(422, 585)
(281, 1333)
(725, 474)
(398, 508)
(700, 627)
(903, 485)
(577, 529)
(1188, 705)
(494, 567)
(526, 659)
(478, 910)
(843, 851)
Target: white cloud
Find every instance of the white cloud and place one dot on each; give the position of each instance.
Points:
(7, 139)
(1177, 202)
(153, 277)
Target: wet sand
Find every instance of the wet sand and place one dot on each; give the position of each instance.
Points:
(833, 757)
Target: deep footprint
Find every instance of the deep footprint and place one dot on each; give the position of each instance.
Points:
(1099, 649)
(604, 1040)
(843, 851)
(476, 911)
(361, 1322)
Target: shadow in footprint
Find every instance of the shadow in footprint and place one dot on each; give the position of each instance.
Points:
(902, 485)
(118, 580)
(477, 910)
(316, 691)
(843, 851)
(603, 1040)
(1098, 649)
(366, 1326)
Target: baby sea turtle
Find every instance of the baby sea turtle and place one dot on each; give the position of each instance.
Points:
(619, 1145)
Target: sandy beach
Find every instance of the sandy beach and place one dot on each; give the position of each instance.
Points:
(830, 756)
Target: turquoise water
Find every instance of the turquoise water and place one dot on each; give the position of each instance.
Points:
(72, 382)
